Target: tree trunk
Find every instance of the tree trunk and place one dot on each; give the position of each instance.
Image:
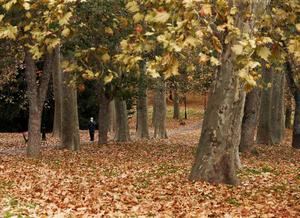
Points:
(296, 129)
(160, 110)
(288, 111)
(112, 117)
(103, 119)
(37, 87)
(56, 75)
(69, 120)
(142, 109)
(122, 128)
(271, 122)
(176, 105)
(295, 90)
(217, 156)
(250, 120)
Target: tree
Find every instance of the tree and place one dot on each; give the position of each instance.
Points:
(122, 128)
(217, 154)
(160, 108)
(142, 107)
(250, 119)
(36, 31)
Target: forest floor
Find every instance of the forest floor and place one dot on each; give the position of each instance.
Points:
(144, 178)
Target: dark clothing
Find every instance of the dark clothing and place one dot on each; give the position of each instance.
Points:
(92, 127)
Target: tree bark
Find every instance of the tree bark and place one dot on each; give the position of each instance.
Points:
(56, 75)
(176, 105)
(160, 110)
(103, 119)
(296, 129)
(69, 121)
(271, 122)
(122, 128)
(288, 112)
(112, 117)
(295, 90)
(142, 109)
(217, 157)
(37, 87)
(250, 120)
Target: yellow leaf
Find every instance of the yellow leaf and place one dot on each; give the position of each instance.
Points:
(214, 61)
(132, 7)
(298, 27)
(264, 53)
(203, 58)
(66, 32)
(8, 32)
(237, 49)
(105, 58)
(26, 6)
(161, 17)
(9, 4)
(65, 19)
(1, 17)
(108, 78)
(108, 30)
(138, 17)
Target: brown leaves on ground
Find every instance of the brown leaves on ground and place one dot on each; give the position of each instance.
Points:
(146, 178)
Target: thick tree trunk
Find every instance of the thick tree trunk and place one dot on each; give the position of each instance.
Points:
(295, 90)
(217, 157)
(160, 110)
(288, 111)
(56, 75)
(103, 119)
(37, 88)
(69, 120)
(176, 105)
(122, 128)
(250, 120)
(277, 118)
(112, 117)
(296, 129)
(142, 109)
(271, 121)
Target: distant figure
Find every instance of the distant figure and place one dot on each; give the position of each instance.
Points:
(43, 133)
(92, 127)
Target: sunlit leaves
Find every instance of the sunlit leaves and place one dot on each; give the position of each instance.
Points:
(264, 53)
(8, 31)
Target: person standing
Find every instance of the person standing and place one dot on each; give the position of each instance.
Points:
(92, 127)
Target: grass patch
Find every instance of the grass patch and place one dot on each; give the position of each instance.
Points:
(233, 201)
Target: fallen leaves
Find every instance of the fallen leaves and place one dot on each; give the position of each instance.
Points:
(144, 178)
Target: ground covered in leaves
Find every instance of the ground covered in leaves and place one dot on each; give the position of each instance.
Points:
(143, 178)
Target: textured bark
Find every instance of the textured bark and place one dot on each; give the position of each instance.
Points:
(288, 110)
(69, 120)
(295, 90)
(112, 117)
(296, 129)
(250, 120)
(56, 75)
(271, 122)
(122, 128)
(176, 105)
(142, 109)
(160, 110)
(217, 153)
(216, 157)
(103, 119)
(36, 92)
